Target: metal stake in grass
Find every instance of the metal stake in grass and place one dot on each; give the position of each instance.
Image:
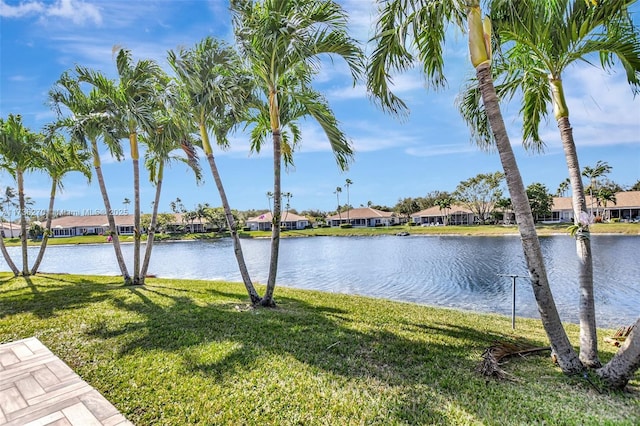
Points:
(513, 298)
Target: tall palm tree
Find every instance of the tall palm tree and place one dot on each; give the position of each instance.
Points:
(170, 136)
(91, 119)
(404, 27)
(337, 192)
(20, 152)
(135, 97)
(347, 184)
(60, 157)
(215, 88)
(126, 203)
(8, 204)
(604, 196)
(445, 204)
(541, 40)
(593, 173)
(563, 188)
(281, 39)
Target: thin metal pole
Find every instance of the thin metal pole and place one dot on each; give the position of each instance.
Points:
(513, 304)
(513, 296)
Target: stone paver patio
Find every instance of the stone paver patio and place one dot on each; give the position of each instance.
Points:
(38, 389)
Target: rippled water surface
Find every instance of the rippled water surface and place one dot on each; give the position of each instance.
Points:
(452, 271)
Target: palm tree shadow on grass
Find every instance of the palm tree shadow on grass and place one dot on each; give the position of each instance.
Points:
(320, 336)
(213, 334)
(43, 301)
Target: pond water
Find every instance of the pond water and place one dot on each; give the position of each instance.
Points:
(452, 271)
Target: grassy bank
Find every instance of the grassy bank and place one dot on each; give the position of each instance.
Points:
(480, 230)
(180, 352)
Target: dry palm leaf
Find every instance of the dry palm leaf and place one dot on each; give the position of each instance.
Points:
(492, 357)
(620, 336)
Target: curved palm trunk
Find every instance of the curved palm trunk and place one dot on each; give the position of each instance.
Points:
(587, 314)
(152, 226)
(237, 248)
(115, 238)
(617, 372)
(47, 232)
(233, 230)
(566, 356)
(23, 222)
(7, 257)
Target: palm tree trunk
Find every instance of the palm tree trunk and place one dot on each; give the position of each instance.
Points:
(152, 226)
(233, 230)
(136, 222)
(587, 313)
(566, 356)
(47, 231)
(23, 222)
(115, 239)
(617, 372)
(7, 257)
(267, 299)
(237, 248)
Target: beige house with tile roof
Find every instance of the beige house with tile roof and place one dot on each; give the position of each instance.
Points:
(288, 221)
(364, 217)
(626, 208)
(70, 226)
(434, 216)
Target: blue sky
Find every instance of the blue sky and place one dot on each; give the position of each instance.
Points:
(429, 151)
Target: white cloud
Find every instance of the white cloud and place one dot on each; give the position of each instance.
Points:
(23, 9)
(442, 149)
(77, 11)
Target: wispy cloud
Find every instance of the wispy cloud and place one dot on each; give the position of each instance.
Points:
(76, 11)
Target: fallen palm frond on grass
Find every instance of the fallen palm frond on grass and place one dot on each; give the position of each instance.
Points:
(493, 357)
(620, 336)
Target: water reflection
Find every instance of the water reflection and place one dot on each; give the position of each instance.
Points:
(453, 271)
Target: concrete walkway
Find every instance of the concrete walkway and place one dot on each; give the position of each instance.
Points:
(38, 389)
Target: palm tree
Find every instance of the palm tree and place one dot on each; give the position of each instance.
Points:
(542, 39)
(605, 196)
(282, 41)
(20, 152)
(404, 27)
(91, 119)
(445, 204)
(60, 157)
(7, 206)
(126, 203)
(337, 192)
(563, 188)
(287, 205)
(593, 173)
(347, 184)
(215, 89)
(135, 97)
(505, 205)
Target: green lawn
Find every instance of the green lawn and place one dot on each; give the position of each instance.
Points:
(179, 352)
